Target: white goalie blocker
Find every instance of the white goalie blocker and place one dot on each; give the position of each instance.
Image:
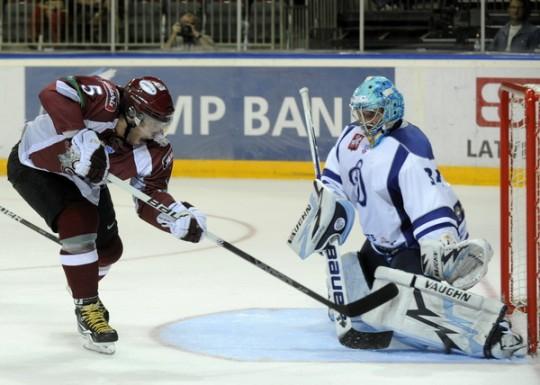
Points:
(327, 218)
(431, 314)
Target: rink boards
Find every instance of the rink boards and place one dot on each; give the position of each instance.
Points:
(241, 115)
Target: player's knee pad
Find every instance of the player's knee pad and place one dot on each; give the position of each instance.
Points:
(436, 315)
(77, 227)
(110, 252)
(327, 218)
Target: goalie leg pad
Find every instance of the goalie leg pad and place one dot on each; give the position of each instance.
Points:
(327, 218)
(436, 315)
(346, 284)
(353, 277)
(354, 284)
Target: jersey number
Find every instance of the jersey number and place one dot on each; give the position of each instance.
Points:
(92, 90)
(355, 177)
(433, 175)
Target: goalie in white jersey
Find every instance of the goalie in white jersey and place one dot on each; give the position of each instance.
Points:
(415, 229)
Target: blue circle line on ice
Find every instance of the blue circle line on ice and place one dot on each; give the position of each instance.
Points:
(283, 335)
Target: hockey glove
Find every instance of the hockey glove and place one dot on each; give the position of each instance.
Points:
(187, 228)
(327, 217)
(91, 160)
(462, 264)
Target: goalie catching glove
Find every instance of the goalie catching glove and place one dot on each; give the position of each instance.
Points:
(89, 159)
(326, 218)
(462, 264)
(189, 227)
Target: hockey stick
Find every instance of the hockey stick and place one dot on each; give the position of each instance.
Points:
(346, 334)
(304, 94)
(354, 309)
(30, 225)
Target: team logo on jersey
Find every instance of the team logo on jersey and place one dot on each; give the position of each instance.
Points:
(357, 182)
(355, 142)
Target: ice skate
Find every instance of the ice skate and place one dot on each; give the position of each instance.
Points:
(93, 325)
(505, 343)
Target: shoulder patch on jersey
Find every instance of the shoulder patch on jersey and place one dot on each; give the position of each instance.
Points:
(343, 135)
(355, 141)
(414, 140)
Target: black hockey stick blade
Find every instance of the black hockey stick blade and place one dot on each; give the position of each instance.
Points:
(370, 301)
(355, 339)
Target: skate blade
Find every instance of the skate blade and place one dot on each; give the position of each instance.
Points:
(103, 347)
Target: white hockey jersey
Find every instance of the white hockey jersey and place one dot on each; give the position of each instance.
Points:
(396, 188)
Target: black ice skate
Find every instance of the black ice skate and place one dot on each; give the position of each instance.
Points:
(93, 325)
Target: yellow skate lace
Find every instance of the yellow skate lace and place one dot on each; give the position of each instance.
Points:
(93, 316)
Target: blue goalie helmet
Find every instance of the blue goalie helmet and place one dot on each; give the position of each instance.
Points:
(376, 105)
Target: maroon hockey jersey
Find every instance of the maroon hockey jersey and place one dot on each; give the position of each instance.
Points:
(73, 103)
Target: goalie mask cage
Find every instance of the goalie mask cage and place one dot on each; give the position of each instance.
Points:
(520, 212)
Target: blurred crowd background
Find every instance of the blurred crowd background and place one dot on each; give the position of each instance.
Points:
(270, 25)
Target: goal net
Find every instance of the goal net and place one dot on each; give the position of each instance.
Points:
(520, 211)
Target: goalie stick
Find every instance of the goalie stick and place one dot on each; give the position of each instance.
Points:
(353, 309)
(347, 335)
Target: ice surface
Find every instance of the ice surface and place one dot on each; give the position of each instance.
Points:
(160, 281)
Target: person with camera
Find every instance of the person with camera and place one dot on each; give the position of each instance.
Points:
(185, 34)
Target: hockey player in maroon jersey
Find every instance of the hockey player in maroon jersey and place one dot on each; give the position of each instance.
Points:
(92, 127)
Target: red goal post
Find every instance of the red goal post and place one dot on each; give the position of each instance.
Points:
(520, 198)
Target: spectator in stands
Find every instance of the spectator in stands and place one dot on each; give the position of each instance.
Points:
(518, 35)
(48, 21)
(91, 19)
(186, 34)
